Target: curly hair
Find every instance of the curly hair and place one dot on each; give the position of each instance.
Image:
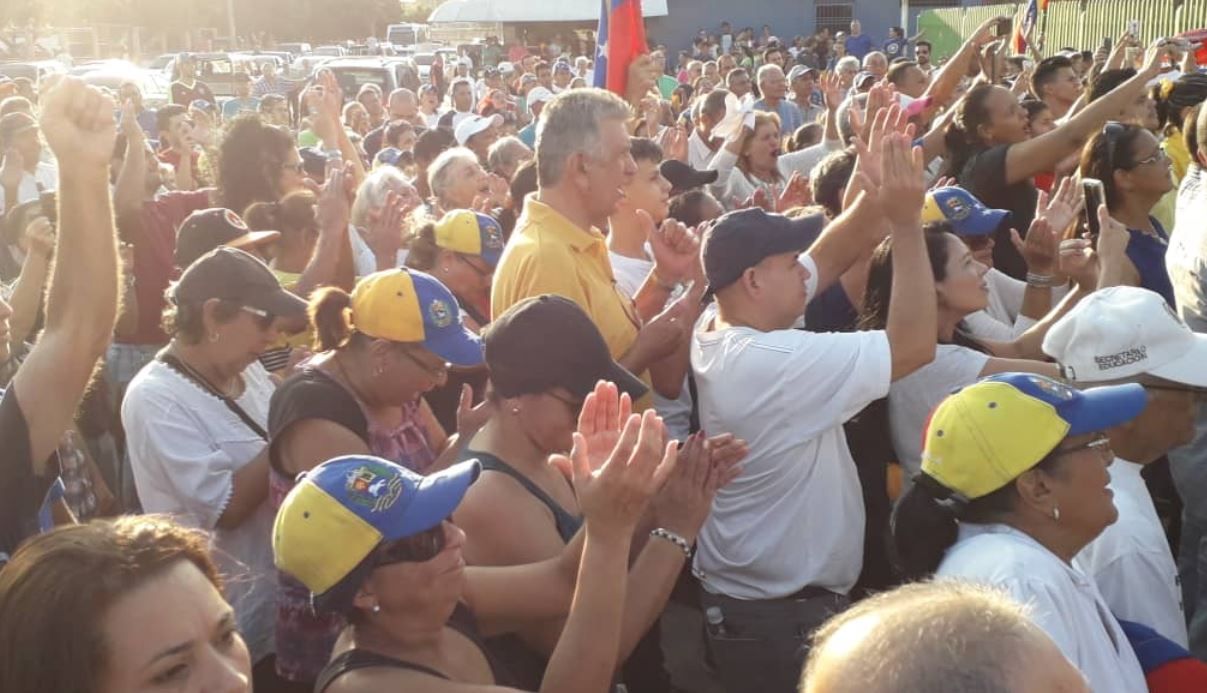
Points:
(250, 161)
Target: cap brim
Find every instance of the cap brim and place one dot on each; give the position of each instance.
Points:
(279, 302)
(1101, 408)
(982, 224)
(458, 347)
(437, 496)
(1188, 368)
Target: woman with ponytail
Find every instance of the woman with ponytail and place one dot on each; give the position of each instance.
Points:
(382, 347)
(1013, 485)
(992, 155)
(1175, 100)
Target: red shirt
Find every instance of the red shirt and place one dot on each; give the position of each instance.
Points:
(172, 158)
(153, 234)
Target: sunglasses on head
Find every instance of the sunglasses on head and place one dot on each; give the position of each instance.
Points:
(417, 548)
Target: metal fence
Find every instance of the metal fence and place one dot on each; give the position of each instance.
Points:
(1070, 23)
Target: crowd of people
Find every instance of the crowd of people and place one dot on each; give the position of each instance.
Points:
(795, 366)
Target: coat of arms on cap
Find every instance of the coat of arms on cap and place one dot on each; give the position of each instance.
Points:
(373, 486)
(1052, 388)
(440, 313)
(233, 219)
(957, 209)
(494, 239)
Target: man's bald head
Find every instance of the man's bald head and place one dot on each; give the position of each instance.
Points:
(937, 637)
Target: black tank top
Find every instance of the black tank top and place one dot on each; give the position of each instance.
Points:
(567, 524)
(462, 621)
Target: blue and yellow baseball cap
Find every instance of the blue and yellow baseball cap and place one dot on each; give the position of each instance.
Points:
(403, 305)
(338, 513)
(472, 233)
(984, 436)
(960, 208)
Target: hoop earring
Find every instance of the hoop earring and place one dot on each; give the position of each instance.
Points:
(214, 336)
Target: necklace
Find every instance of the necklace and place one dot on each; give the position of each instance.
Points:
(232, 393)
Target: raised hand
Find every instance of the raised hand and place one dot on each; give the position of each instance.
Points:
(902, 188)
(471, 418)
(673, 142)
(13, 169)
(1156, 53)
(831, 89)
(796, 193)
(676, 249)
(500, 190)
(1112, 238)
(613, 498)
(1079, 262)
(332, 209)
(1063, 207)
(599, 422)
(40, 236)
(665, 332)
(384, 234)
(1041, 248)
(77, 122)
(129, 120)
(684, 502)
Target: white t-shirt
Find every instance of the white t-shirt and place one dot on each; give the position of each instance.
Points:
(735, 186)
(911, 399)
(1131, 562)
(698, 151)
(676, 413)
(44, 178)
(1186, 258)
(794, 516)
(364, 262)
(185, 446)
(1063, 601)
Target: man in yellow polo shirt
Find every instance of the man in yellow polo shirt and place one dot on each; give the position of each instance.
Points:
(583, 162)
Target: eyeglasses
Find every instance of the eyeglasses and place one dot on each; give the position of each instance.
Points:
(1157, 156)
(298, 168)
(417, 548)
(482, 271)
(437, 372)
(575, 404)
(1100, 444)
(264, 319)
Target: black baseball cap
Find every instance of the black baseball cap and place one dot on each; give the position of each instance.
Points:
(743, 238)
(14, 124)
(683, 177)
(207, 229)
(231, 274)
(548, 341)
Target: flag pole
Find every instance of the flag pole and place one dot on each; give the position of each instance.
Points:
(1043, 31)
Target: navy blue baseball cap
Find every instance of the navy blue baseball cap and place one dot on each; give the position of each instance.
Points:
(744, 238)
(967, 215)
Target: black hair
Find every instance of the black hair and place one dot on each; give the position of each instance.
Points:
(394, 130)
(165, 114)
(806, 135)
(1189, 90)
(687, 207)
(1107, 81)
(923, 43)
(896, 73)
(1034, 107)
(830, 178)
(1046, 71)
(250, 160)
(1190, 132)
(1103, 155)
(429, 145)
(877, 296)
(186, 321)
(645, 149)
(962, 139)
(925, 522)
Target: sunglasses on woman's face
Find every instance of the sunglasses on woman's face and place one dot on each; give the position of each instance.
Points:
(264, 319)
(417, 548)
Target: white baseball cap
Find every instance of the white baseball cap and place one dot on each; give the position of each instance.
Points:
(474, 124)
(1123, 332)
(506, 68)
(539, 95)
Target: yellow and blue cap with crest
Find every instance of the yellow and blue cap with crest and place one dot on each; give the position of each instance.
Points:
(472, 233)
(403, 305)
(338, 513)
(967, 215)
(984, 436)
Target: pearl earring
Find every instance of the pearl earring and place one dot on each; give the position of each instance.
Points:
(515, 410)
(377, 608)
(1056, 514)
(214, 336)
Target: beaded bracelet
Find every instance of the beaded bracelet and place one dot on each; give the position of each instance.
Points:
(673, 538)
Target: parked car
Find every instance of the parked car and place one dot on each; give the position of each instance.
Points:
(33, 70)
(215, 69)
(153, 85)
(387, 73)
(330, 51)
(294, 48)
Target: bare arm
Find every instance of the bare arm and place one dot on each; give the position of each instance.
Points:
(249, 488)
(1037, 155)
(131, 179)
(949, 75)
(81, 305)
(26, 300)
(332, 213)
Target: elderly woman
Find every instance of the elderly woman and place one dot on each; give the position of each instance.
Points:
(1017, 523)
(458, 181)
(379, 217)
(196, 418)
(356, 118)
(130, 605)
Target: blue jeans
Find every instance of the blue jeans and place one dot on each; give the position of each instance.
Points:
(1188, 465)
